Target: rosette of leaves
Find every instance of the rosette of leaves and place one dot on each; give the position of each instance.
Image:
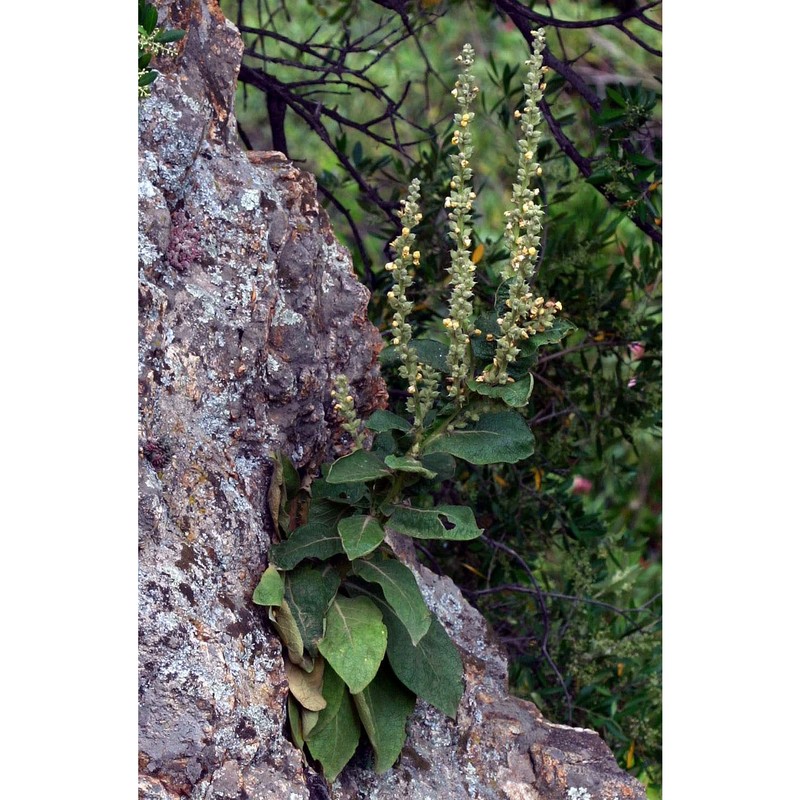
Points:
(153, 41)
(361, 643)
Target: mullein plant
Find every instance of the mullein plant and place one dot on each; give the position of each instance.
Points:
(361, 643)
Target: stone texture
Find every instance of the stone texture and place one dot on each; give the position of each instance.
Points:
(247, 308)
(499, 747)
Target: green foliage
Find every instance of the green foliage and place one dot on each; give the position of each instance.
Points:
(501, 436)
(351, 615)
(383, 708)
(153, 41)
(400, 590)
(569, 577)
(355, 640)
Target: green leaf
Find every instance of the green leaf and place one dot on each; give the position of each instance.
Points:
(483, 349)
(456, 523)
(432, 353)
(360, 535)
(311, 540)
(286, 626)
(390, 355)
(408, 464)
(276, 493)
(355, 640)
(443, 464)
(358, 466)
(291, 478)
(174, 35)
(308, 719)
(401, 592)
(384, 708)
(384, 444)
(349, 493)
(148, 17)
(433, 669)
(561, 328)
(269, 591)
(334, 738)
(496, 438)
(295, 725)
(381, 420)
(514, 394)
(326, 512)
(309, 592)
(148, 77)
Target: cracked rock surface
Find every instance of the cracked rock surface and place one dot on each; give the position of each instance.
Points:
(248, 308)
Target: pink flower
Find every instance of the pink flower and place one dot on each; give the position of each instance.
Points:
(631, 383)
(581, 485)
(636, 349)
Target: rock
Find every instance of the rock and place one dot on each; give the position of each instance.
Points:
(499, 747)
(248, 308)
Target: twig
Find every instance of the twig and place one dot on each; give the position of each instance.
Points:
(545, 617)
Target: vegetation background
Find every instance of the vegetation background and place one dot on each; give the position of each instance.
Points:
(358, 93)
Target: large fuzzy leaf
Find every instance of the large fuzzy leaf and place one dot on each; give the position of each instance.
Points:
(456, 523)
(357, 467)
(501, 437)
(442, 464)
(514, 394)
(313, 540)
(269, 591)
(355, 640)
(433, 669)
(360, 535)
(408, 464)
(308, 593)
(307, 686)
(432, 353)
(381, 420)
(334, 737)
(400, 590)
(384, 707)
(295, 723)
(288, 632)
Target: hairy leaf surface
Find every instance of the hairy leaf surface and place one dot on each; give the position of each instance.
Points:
(334, 737)
(269, 591)
(286, 625)
(358, 466)
(501, 437)
(384, 707)
(401, 592)
(360, 535)
(312, 540)
(307, 686)
(433, 669)
(408, 464)
(309, 592)
(295, 724)
(514, 394)
(381, 420)
(355, 640)
(456, 523)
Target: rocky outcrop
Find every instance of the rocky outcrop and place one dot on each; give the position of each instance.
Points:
(248, 309)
